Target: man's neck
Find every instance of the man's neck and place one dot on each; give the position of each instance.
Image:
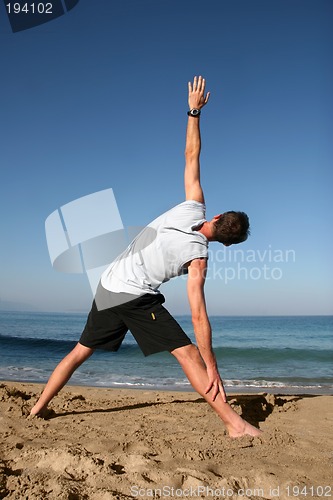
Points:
(207, 230)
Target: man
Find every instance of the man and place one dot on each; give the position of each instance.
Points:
(128, 297)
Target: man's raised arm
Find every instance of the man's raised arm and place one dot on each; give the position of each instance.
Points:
(196, 100)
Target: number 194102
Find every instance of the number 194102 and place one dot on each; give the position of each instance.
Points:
(29, 8)
(309, 491)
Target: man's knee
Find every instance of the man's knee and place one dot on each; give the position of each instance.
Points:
(186, 353)
(80, 353)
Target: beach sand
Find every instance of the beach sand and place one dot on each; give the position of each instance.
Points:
(103, 444)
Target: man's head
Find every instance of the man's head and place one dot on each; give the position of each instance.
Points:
(231, 228)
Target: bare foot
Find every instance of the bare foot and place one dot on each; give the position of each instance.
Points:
(247, 430)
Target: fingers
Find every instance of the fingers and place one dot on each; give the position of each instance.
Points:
(193, 88)
(223, 394)
(208, 388)
(196, 91)
(201, 84)
(215, 392)
(198, 84)
(216, 388)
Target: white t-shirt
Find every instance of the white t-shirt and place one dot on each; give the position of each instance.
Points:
(159, 252)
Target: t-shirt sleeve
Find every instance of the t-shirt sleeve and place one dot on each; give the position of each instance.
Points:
(187, 215)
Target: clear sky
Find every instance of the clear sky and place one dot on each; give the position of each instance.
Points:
(98, 98)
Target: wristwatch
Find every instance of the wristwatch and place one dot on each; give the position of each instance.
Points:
(194, 112)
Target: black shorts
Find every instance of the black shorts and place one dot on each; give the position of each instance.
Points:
(151, 325)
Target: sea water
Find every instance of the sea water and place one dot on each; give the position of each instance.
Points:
(279, 353)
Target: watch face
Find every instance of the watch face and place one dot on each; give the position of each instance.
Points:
(195, 112)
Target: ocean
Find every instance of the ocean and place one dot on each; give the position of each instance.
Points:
(277, 354)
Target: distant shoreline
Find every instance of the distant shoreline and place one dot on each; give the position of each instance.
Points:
(85, 312)
(230, 390)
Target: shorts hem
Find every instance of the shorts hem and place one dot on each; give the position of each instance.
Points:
(165, 349)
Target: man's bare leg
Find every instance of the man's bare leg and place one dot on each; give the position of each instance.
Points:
(195, 370)
(60, 376)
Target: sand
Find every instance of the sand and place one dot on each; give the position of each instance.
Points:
(103, 444)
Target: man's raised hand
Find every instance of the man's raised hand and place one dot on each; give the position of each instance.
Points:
(196, 93)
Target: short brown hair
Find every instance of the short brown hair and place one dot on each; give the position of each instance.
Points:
(232, 227)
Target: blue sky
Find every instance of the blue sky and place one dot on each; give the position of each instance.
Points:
(98, 98)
